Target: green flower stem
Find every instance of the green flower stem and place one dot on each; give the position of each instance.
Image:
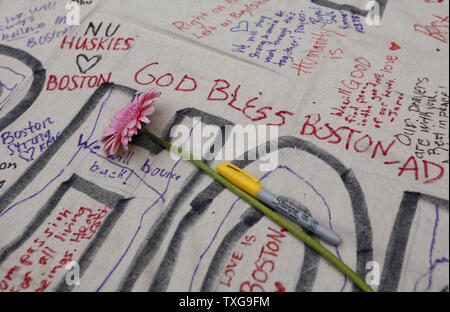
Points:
(295, 230)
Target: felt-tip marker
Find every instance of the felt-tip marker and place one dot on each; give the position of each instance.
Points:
(251, 185)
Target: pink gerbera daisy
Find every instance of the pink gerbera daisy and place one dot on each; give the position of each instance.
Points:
(128, 120)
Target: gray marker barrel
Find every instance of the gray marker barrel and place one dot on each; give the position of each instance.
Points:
(298, 216)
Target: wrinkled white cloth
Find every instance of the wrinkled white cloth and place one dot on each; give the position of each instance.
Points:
(357, 92)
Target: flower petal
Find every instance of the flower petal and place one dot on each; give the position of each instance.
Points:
(148, 111)
(128, 120)
(132, 123)
(108, 131)
(115, 147)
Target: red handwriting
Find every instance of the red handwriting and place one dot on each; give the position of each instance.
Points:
(349, 86)
(71, 83)
(235, 260)
(42, 260)
(265, 264)
(250, 110)
(96, 44)
(358, 73)
(307, 63)
(182, 26)
(280, 287)
(371, 105)
(438, 29)
(221, 91)
(352, 138)
(144, 77)
(249, 8)
(431, 171)
(198, 24)
(205, 30)
(425, 171)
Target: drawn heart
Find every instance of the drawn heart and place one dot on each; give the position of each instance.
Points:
(394, 47)
(27, 155)
(85, 64)
(242, 26)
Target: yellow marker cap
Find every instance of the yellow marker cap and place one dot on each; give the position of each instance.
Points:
(240, 178)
